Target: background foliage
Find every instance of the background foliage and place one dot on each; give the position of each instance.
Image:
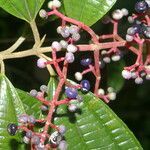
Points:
(132, 104)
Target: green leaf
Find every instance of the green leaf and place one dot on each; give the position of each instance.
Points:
(115, 78)
(23, 9)
(87, 11)
(95, 126)
(31, 104)
(11, 106)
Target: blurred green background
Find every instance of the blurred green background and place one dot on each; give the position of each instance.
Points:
(133, 102)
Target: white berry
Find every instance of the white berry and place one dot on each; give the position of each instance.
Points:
(103, 52)
(112, 96)
(126, 74)
(115, 57)
(78, 76)
(59, 29)
(50, 5)
(125, 12)
(26, 140)
(43, 13)
(72, 108)
(130, 19)
(76, 36)
(106, 60)
(134, 75)
(101, 92)
(56, 45)
(129, 38)
(56, 3)
(117, 14)
(138, 80)
(148, 77)
(63, 43)
(71, 48)
(110, 89)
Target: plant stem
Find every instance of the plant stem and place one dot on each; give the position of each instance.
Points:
(30, 52)
(35, 32)
(14, 46)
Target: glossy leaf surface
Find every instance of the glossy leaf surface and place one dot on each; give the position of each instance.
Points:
(88, 11)
(95, 126)
(10, 107)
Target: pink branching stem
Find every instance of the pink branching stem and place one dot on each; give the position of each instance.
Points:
(104, 97)
(90, 69)
(65, 101)
(108, 36)
(67, 83)
(56, 63)
(147, 20)
(54, 101)
(42, 100)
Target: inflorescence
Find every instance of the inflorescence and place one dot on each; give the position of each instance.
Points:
(103, 52)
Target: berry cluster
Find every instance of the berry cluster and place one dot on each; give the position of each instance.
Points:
(139, 33)
(103, 53)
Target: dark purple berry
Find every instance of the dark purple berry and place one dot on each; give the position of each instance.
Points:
(12, 129)
(71, 93)
(141, 7)
(137, 28)
(86, 61)
(85, 85)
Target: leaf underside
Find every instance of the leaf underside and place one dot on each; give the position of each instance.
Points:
(23, 9)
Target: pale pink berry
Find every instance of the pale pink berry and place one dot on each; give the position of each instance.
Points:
(69, 57)
(73, 29)
(56, 45)
(41, 63)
